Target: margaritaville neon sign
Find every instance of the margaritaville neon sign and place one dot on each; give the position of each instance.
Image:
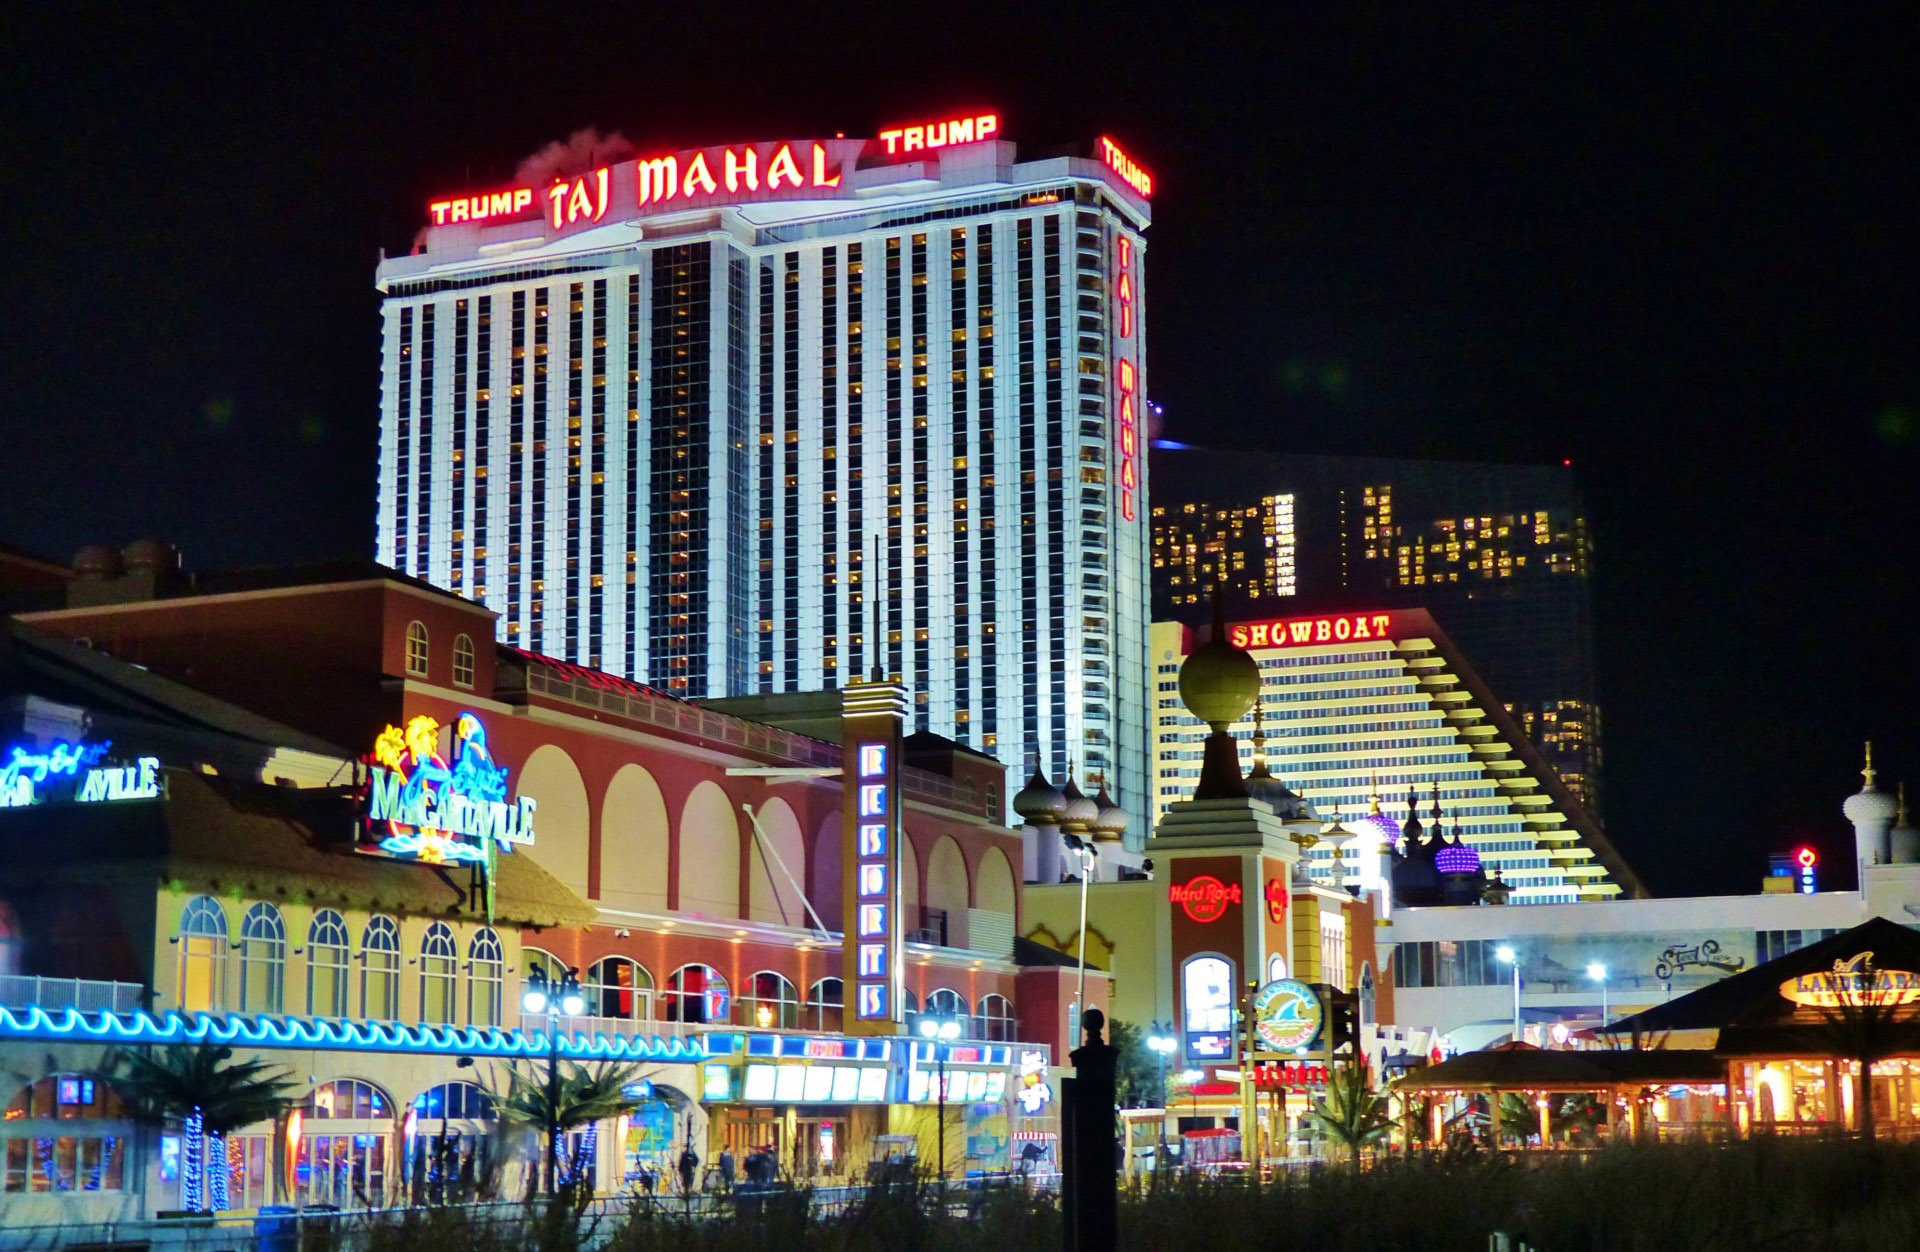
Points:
(422, 808)
(75, 772)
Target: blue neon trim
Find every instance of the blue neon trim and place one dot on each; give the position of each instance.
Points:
(338, 1034)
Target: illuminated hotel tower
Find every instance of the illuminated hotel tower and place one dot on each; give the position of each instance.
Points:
(656, 415)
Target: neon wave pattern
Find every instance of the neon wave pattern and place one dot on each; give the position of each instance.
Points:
(338, 1034)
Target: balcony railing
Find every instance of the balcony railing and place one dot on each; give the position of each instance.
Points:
(20, 991)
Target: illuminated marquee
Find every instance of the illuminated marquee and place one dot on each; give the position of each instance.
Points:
(1853, 982)
(1205, 898)
(971, 129)
(1287, 1015)
(1298, 631)
(873, 986)
(74, 772)
(439, 813)
(1126, 379)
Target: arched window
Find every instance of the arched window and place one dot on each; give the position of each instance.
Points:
(458, 1100)
(65, 1132)
(263, 960)
(996, 1023)
(771, 1003)
(620, 989)
(417, 649)
(462, 661)
(203, 956)
(825, 1003)
(345, 1147)
(438, 957)
(327, 965)
(950, 1005)
(909, 1002)
(1206, 996)
(347, 1099)
(380, 970)
(544, 961)
(696, 993)
(486, 973)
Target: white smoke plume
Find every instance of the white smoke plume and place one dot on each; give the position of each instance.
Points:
(583, 150)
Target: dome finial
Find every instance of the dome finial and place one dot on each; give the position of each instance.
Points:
(1373, 795)
(1867, 773)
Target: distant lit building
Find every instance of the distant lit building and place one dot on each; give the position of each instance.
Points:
(1500, 554)
(662, 417)
(1374, 706)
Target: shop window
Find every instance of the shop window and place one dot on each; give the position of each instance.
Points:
(621, 989)
(417, 649)
(996, 1022)
(696, 993)
(825, 1003)
(345, 1145)
(203, 957)
(64, 1133)
(263, 960)
(949, 1005)
(486, 975)
(446, 1140)
(771, 1003)
(462, 661)
(327, 965)
(438, 957)
(380, 970)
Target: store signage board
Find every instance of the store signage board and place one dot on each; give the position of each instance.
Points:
(1853, 982)
(1287, 1015)
(74, 773)
(423, 807)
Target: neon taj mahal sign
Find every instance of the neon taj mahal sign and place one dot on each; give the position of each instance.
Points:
(440, 812)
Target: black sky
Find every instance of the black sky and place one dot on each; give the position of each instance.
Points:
(1676, 247)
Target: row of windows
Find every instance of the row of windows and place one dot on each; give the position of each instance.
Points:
(418, 654)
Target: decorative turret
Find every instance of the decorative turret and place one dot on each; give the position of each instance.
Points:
(1218, 683)
(1110, 824)
(1903, 842)
(1263, 786)
(1040, 803)
(1871, 811)
(1080, 813)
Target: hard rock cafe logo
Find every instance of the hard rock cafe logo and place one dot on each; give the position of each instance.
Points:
(1205, 898)
(438, 813)
(1276, 900)
(1854, 981)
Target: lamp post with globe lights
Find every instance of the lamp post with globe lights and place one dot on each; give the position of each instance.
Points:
(941, 1031)
(1598, 973)
(1163, 1043)
(552, 997)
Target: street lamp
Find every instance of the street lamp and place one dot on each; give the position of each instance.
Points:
(552, 997)
(1598, 973)
(942, 1031)
(1088, 853)
(1163, 1044)
(1509, 957)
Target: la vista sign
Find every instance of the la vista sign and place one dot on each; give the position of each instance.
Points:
(1204, 897)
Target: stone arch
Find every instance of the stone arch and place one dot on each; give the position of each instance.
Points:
(947, 883)
(634, 839)
(709, 880)
(993, 889)
(823, 872)
(771, 895)
(563, 822)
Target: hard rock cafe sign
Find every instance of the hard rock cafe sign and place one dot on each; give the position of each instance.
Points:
(1204, 897)
(1854, 981)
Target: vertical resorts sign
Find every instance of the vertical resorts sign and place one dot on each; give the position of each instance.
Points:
(74, 773)
(871, 721)
(422, 806)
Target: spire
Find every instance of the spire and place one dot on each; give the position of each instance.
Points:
(1436, 805)
(1259, 769)
(1373, 795)
(1867, 773)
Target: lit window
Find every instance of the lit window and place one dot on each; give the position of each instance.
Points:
(463, 661)
(417, 649)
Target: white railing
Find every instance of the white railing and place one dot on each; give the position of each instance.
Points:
(19, 991)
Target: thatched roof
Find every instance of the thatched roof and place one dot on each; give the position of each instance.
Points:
(1538, 1069)
(272, 843)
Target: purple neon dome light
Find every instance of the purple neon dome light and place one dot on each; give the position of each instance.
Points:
(1457, 858)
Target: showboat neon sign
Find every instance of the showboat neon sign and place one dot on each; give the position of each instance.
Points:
(439, 813)
(29, 777)
(1293, 632)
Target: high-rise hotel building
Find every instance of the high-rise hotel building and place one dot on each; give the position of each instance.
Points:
(664, 415)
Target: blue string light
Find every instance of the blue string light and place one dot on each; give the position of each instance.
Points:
(218, 1172)
(193, 1164)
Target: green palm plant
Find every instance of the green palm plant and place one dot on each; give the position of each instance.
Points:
(580, 1096)
(1517, 1117)
(1352, 1113)
(208, 1093)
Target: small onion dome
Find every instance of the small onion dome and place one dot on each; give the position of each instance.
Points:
(1869, 806)
(1380, 827)
(150, 554)
(1219, 682)
(1903, 841)
(1080, 812)
(1457, 858)
(1111, 823)
(97, 560)
(1040, 803)
(1286, 802)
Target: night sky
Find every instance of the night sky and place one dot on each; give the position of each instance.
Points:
(1679, 250)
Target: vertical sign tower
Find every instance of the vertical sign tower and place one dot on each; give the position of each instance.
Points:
(873, 715)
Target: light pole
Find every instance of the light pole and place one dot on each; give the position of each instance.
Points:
(1163, 1044)
(1088, 853)
(1598, 973)
(542, 996)
(942, 1031)
(1509, 957)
